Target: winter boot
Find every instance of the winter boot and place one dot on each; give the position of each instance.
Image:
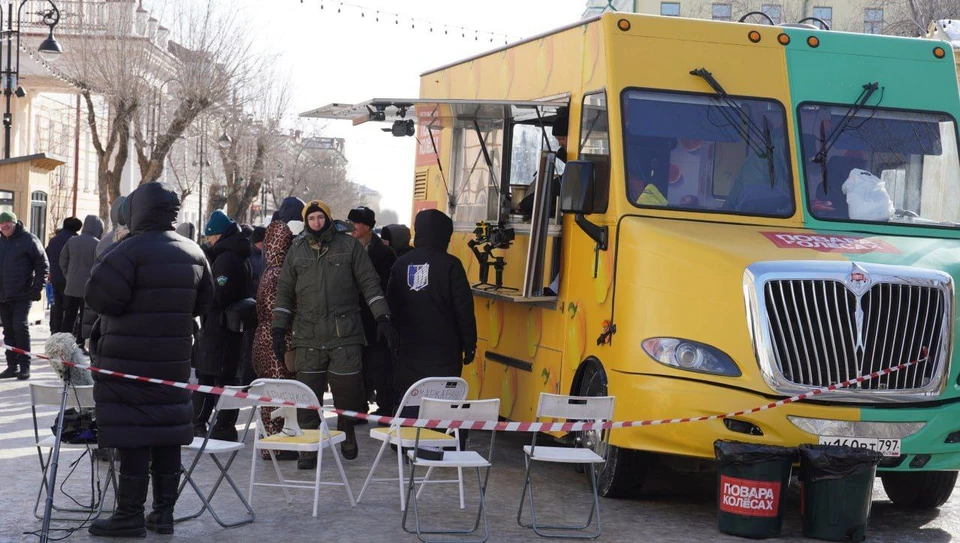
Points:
(127, 520)
(308, 460)
(225, 426)
(165, 487)
(349, 447)
(9, 373)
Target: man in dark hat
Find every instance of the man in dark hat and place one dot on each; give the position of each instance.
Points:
(377, 365)
(71, 227)
(22, 277)
(560, 126)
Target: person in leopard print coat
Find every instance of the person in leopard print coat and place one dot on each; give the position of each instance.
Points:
(276, 243)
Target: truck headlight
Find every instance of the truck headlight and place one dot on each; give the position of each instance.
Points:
(691, 356)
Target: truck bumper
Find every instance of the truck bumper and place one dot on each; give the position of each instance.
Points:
(646, 397)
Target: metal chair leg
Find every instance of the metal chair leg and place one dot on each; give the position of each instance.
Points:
(539, 528)
(373, 468)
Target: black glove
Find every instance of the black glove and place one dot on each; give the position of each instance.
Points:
(279, 343)
(469, 355)
(36, 295)
(387, 332)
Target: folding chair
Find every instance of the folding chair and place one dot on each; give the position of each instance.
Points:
(598, 409)
(78, 397)
(446, 388)
(213, 447)
(311, 441)
(479, 410)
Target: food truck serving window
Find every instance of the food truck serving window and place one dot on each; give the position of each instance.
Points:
(706, 153)
(477, 186)
(891, 166)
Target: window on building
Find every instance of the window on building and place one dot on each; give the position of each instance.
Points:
(774, 11)
(38, 214)
(825, 14)
(670, 9)
(721, 12)
(873, 21)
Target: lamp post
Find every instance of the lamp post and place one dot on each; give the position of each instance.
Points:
(49, 51)
(223, 142)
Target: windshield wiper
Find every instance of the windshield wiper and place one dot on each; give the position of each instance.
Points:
(826, 144)
(750, 131)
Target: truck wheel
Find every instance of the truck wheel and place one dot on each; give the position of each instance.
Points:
(919, 490)
(623, 473)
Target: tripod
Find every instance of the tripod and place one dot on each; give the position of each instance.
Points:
(54, 461)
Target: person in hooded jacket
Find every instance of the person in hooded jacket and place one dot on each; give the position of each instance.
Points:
(76, 261)
(221, 350)
(147, 290)
(22, 277)
(187, 230)
(432, 305)
(118, 229)
(276, 244)
(71, 227)
(324, 274)
(397, 236)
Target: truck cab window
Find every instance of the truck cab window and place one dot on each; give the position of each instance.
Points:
(700, 153)
(595, 143)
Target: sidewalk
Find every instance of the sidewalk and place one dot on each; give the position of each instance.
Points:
(676, 507)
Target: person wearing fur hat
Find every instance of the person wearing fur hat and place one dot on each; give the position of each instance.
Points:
(325, 273)
(266, 364)
(22, 278)
(71, 227)
(377, 363)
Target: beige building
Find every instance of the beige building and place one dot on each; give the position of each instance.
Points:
(868, 16)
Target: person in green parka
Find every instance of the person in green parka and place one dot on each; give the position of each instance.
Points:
(318, 294)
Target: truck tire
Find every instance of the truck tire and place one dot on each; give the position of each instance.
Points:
(623, 473)
(919, 490)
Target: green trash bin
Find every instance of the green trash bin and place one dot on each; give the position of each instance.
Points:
(752, 481)
(836, 491)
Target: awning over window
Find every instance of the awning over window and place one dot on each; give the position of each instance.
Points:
(438, 113)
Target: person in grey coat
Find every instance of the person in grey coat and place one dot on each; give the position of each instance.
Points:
(76, 261)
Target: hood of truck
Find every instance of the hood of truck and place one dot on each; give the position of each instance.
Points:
(685, 279)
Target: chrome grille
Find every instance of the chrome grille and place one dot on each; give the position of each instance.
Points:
(814, 327)
(816, 324)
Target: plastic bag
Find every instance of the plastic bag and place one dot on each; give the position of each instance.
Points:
(821, 462)
(737, 453)
(867, 197)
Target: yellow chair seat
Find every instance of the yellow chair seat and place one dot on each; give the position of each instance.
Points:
(309, 436)
(409, 433)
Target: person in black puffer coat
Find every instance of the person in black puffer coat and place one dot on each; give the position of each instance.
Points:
(432, 305)
(220, 349)
(71, 227)
(147, 290)
(22, 276)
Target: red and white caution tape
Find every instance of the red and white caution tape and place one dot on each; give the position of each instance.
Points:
(479, 425)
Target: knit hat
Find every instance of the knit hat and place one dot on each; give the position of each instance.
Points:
(259, 233)
(8, 216)
(217, 224)
(312, 207)
(291, 209)
(72, 224)
(247, 230)
(362, 215)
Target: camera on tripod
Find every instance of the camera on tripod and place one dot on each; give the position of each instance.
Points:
(497, 236)
(491, 237)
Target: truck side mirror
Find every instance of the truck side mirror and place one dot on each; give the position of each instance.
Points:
(578, 187)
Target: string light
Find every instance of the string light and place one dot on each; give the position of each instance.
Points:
(429, 25)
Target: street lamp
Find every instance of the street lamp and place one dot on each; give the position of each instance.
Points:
(49, 50)
(224, 141)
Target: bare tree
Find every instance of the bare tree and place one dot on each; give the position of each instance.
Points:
(913, 17)
(314, 167)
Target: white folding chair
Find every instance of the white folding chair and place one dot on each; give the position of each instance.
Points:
(564, 408)
(78, 397)
(445, 388)
(311, 441)
(478, 410)
(213, 447)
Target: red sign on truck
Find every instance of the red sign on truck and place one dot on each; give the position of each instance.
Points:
(825, 243)
(749, 498)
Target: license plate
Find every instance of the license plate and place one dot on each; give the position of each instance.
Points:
(889, 447)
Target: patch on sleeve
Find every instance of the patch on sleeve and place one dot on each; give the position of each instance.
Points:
(418, 276)
(222, 280)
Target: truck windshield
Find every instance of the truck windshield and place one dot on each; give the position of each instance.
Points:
(884, 166)
(704, 153)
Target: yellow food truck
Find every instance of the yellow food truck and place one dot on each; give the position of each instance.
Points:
(746, 213)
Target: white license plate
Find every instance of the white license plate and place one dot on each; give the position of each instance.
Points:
(889, 447)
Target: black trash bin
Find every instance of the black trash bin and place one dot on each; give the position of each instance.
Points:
(752, 483)
(836, 491)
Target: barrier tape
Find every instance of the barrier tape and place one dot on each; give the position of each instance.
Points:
(479, 425)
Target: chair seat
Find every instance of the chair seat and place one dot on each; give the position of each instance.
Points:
(452, 459)
(306, 442)
(565, 455)
(408, 436)
(214, 446)
(48, 443)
